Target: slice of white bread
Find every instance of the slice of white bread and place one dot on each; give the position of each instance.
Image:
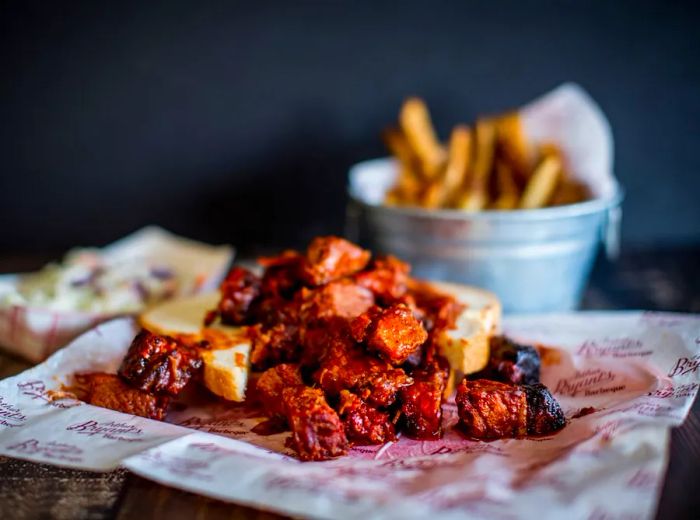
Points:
(180, 316)
(467, 346)
(226, 370)
(227, 363)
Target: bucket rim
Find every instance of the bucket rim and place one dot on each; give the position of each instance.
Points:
(587, 207)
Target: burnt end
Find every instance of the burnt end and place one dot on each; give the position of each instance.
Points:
(271, 384)
(340, 299)
(330, 258)
(317, 431)
(272, 345)
(159, 364)
(282, 275)
(440, 310)
(346, 366)
(109, 391)
(511, 362)
(386, 277)
(421, 403)
(493, 410)
(395, 333)
(364, 424)
(544, 413)
(238, 292)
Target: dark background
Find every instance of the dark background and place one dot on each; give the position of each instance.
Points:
(237, 122)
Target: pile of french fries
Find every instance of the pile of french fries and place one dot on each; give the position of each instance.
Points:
(491, 166)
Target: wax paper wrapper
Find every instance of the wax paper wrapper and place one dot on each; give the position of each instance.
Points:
(623, 380)
(34, 332)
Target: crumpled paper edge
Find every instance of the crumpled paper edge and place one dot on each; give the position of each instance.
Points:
(34, 333)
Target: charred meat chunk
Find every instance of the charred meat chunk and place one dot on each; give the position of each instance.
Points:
(282, 275)
(364, 424)
(511, 362)
(317, 431)
(238, 292)
(339, 299)
(394, 333)
(109, 391)
(346, 366)
(275, 344)
(329, 258)
(386, 277)
(544, 415)
(269, 386)
(159, 364)
(494, 410)
(440, 310)
(421, 403)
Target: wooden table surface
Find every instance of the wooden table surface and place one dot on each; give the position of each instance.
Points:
(663, 279)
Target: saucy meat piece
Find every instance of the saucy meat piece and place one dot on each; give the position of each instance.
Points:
(346, 366)
(317, 432)
(364, 424)
(386, 277)
(440, 310)
(493, 410)
(342, 299)
(238, 291)
(271, 345)
(329, 258)
(421, 403)
(269, 386)
(159, 364)
(282, 275)
(511, 362)
(109, 391)
(394, 333)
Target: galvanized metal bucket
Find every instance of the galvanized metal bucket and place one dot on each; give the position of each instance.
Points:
(534, 260)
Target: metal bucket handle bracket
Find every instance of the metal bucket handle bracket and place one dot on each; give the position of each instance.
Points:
(611, 232)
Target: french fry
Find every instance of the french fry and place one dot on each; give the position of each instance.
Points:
(476, 196)
(540, 187)
(432, 195)
(493, 166)
(508, 193)
(418, 129)
(397, 144)
(514, 145)
(408, 186)
(458, 159)
(569, 191)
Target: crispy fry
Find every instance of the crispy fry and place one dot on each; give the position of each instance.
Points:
(514, 145)
(397, 144)
(507, 189)
(569, 191)
(418, 129)
(433, 194)
(541, 185)
(495, 166)
(458, 162)
(476, 196)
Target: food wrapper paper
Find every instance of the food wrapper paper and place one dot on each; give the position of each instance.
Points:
(623, 379)
(34, 332)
